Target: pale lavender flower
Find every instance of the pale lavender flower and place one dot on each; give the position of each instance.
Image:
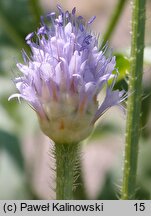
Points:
(64, 75)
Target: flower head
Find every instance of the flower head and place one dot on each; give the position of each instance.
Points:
(64, 75)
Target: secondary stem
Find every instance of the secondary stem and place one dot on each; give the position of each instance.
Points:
(134, 100)
(114, 20)
(66, 158)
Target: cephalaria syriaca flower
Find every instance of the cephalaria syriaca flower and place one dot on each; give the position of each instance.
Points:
(64, 75)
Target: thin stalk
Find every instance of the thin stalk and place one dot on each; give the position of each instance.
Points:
(66, 162)
(11, 32)
(114, 20)
(134, 100)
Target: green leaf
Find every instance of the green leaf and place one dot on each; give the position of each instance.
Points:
(123, 66)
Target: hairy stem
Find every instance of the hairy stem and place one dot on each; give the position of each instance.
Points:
(114, 20)
(66, 158)
(134, 100)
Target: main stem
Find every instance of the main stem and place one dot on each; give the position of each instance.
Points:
(66, 158)
(134, 100)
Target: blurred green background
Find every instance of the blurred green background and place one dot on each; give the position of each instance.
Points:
(25, 171)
